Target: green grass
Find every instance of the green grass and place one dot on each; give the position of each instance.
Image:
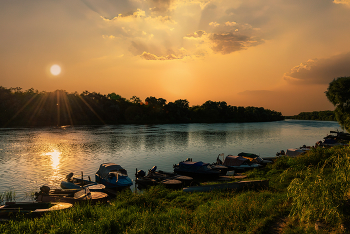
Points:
(303, 190)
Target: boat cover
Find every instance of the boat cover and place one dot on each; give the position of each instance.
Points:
(105, 168)
(248, 155)
(231, 160)
(294, 152)
(193, 166)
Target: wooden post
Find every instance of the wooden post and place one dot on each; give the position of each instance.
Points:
(82, 177)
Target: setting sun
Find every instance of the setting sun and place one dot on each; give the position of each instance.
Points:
(55, 70)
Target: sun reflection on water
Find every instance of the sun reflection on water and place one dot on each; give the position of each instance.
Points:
(55, 158)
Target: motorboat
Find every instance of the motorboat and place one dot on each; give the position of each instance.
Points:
(113, 176)
(255, 158)
(237, 163)
(199, 170)
(79, 183)
(168, 179)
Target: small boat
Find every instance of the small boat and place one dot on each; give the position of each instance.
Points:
(238, 186)
(70, 195)
(237, 163)
(199, 170)
(169, 179)
(76, 183)
(255, 158)
(31, 208)
(113, 176)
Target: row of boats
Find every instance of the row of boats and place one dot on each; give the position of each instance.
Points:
(111, 178)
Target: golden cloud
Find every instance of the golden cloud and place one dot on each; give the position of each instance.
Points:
(346, 2)
(149, 56)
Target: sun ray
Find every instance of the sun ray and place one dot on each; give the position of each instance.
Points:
(93, 111)
(68, 108)
(20, 110)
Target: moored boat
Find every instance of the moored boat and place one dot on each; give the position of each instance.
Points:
(113, 176)
(10, 209)
(169, 179)
(70, 195)
(255, 158)
(237, 163)
(76, 183)
(242, 185)
(199, 170)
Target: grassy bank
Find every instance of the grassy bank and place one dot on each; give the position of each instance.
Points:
(303, 191)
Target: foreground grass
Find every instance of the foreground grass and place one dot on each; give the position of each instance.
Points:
(304, 190)
(162, 211)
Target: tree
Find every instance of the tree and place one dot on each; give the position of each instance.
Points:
(338, 93)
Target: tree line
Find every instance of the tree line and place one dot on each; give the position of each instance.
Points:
(58, 108)
(315, 115)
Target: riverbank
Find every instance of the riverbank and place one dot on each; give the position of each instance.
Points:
(298, 198)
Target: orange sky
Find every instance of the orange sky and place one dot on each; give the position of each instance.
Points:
(275, 54)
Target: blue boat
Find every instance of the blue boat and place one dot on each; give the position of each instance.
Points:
(199, 170)
(113, 176)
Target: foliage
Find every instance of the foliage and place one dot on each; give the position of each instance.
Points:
(315, 115)
(338, 93)
(33, 108)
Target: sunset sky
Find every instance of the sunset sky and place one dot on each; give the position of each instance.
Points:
(276, 54)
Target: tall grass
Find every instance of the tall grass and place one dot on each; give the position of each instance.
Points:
(319, 192)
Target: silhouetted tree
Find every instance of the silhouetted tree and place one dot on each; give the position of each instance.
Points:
(338, 93)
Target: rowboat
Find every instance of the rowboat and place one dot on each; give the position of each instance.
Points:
(11, 209)
(169, 179)
(238, 186)
(70, 195)
(76, 183)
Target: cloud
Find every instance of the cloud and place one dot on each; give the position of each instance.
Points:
(214, 24)
(160, 6)
(227, 43)
(197, 34)
(320, 71)
(110, 9)
(149, 56)
(136, 14)
(228, 23)
(346, 2)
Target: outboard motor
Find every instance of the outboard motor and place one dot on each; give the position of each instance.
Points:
(69, 176)
(140, 173)
(45, 189)
(154, 168)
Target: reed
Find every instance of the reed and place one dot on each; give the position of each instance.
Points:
(7, 196)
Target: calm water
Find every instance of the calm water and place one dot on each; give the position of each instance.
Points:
(30, 158)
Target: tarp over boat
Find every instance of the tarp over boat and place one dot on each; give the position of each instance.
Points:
(105, 168)
(294, 152)
(231, 160)
(188, 165)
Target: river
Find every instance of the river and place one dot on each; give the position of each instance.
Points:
(33, 157)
